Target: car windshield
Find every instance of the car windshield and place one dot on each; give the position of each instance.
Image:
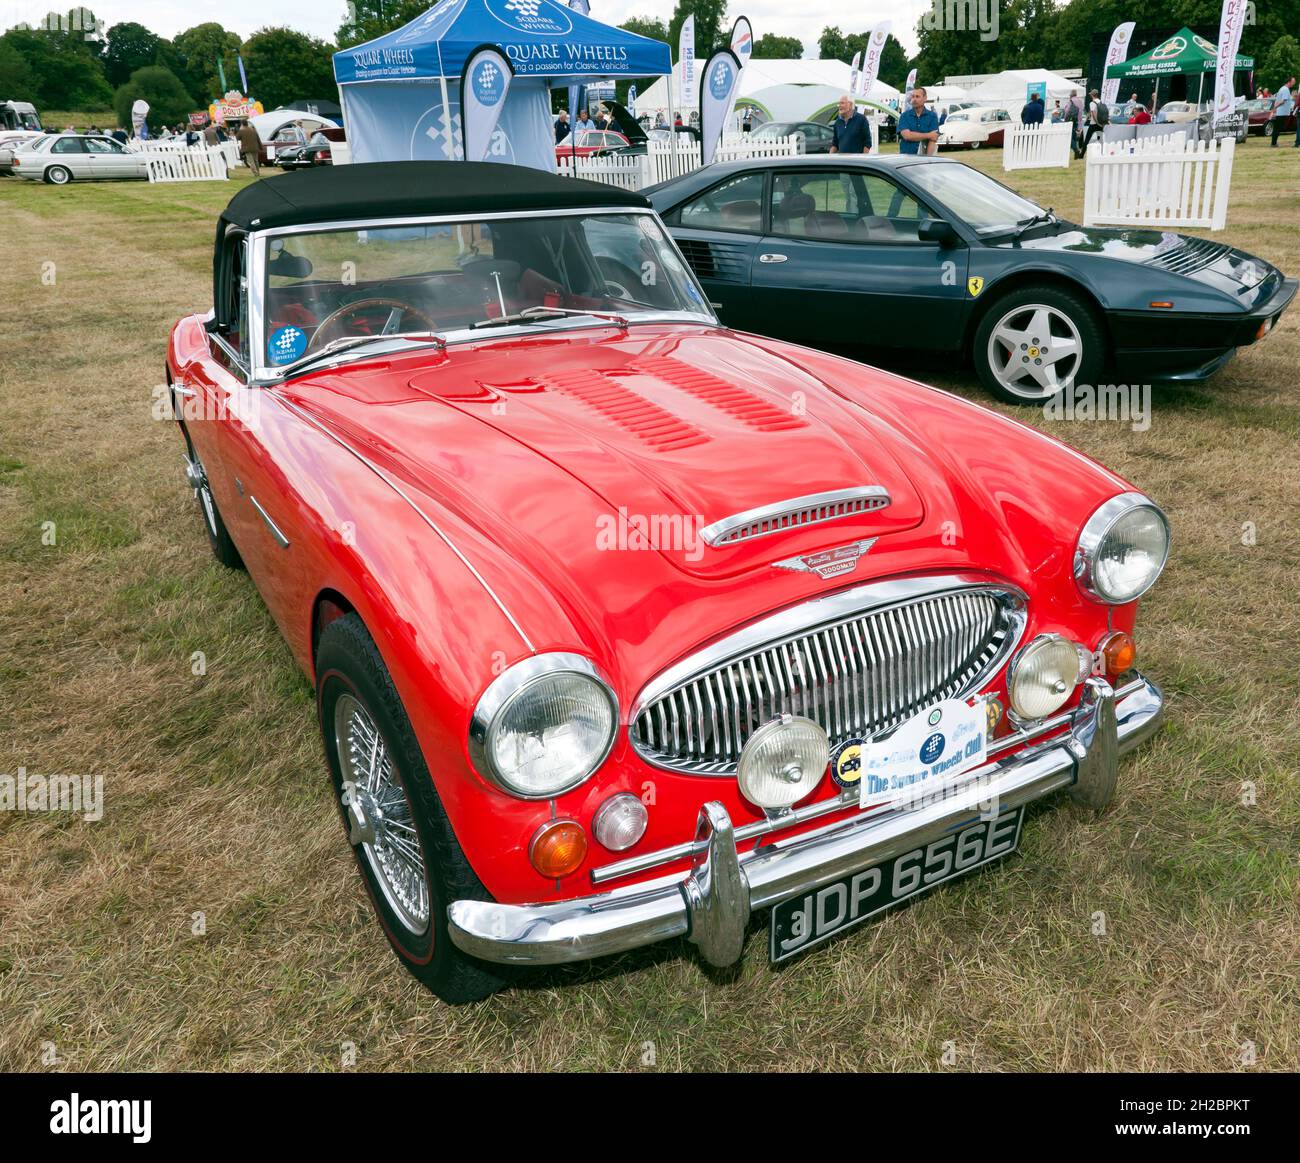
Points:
(329, 284)
(977, 199)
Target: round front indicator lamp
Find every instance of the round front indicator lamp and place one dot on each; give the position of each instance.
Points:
(783, 762)
(1044, 674)
(620, 821)
(558, 847)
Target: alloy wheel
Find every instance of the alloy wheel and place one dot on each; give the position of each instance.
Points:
(1035, 351)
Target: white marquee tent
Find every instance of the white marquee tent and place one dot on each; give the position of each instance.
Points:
(769, 76)
(1011, 85)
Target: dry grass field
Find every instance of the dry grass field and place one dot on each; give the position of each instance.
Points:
(218, 802)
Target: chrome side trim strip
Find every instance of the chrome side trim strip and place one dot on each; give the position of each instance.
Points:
(280, 539)
(392, 484)
(795, 513)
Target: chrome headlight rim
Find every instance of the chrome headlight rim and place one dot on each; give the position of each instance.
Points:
(510, 685)
(1040, 642)
(1094, 534)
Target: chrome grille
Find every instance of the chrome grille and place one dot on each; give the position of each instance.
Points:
(856, 676)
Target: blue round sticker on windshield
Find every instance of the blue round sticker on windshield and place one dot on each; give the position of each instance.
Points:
(286, 345)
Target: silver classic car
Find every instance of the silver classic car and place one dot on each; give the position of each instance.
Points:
(59, 159)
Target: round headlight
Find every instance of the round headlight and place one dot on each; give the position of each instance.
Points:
(543, 726)
(1122, 549)
(1043, 676)
(783, 761)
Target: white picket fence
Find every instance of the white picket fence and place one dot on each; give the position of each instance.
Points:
(1036, 147)
(658, 164)
(1158, 181)
(200, 164)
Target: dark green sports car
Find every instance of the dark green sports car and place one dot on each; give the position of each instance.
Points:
(929, 254)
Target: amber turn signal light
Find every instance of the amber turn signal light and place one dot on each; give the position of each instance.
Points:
(558, 847)
(1120, 653)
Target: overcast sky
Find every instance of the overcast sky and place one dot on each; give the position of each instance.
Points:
(322, 18)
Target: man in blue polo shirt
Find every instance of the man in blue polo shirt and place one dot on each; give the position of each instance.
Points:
(850, 130)
(918, 126)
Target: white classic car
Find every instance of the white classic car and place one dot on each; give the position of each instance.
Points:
(972, 128)
(60, 158)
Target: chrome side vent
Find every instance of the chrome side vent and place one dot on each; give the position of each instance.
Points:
(795, 513)
(858, 663)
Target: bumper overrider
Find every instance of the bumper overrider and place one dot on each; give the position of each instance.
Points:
(712, 903)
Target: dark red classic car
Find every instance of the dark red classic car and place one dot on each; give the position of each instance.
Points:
(624, 625)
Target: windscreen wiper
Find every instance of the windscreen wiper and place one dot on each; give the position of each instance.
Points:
(539, 314)
(1036, 220)
(336, 346)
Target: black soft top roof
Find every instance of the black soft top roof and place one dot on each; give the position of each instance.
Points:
(407, 189)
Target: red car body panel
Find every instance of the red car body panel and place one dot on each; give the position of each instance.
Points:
(454, 499)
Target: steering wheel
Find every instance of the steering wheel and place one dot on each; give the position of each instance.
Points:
(331, 326)
(620, 279)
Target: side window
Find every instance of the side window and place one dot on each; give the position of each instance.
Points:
(68, 145)
(735, 205)
(894, 216)
(240, 286)
(96, 145)
(822, 205)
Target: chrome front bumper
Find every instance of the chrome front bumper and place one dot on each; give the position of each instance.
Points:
(711, 904)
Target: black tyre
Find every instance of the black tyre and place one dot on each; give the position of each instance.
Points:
(1033, 342)
(408, 855)
(58, 175)
(223, 548)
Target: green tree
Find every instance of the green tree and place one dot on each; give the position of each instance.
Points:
(832, 46)
(63, 74)
(368, 19)
(128, 47)
(769, 46)
(284, 66)
(16, 77)
(169, 101)
(1281, 64)
(200, 48)
(709, 31)
(650, 26)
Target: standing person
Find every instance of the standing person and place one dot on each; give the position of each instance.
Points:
(562, 126)
(250, 148)
(1283, 103)
(1070, 114)
(1140, 115)
(850, 132)
(1098, 119)
(747, 125)
(583, 122)
(918, 127)
(1032, 113)
(210, 134)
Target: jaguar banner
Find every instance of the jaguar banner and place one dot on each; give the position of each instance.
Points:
(718, 85)
(1230, 25)
(871, 57)
(483, 96)
(1116, 51)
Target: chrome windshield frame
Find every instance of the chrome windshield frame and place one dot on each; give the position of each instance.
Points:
(259, 241)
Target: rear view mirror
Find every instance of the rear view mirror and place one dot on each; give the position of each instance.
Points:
(937, 230)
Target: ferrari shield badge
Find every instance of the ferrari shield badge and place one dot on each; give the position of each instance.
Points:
(974, 285)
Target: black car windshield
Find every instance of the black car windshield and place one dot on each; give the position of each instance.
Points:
(982, 203)
(331, 284)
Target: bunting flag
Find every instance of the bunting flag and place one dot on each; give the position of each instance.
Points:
(243, 76)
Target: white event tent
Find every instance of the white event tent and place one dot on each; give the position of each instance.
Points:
(1012, 85)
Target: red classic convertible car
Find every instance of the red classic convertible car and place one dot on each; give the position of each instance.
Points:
(624, 625)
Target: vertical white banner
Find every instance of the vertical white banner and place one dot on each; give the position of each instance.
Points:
(742, 40)
(1116, 52)
(686, 59)
(718, 86)
(483, 90)
(580, 6)
(908, 87)
(631, 100)
(854, 74)
(871, 58)
(1230, 25)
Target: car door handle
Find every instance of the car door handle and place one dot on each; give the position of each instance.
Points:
(773, 257)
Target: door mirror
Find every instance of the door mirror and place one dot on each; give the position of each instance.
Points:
(937, 230)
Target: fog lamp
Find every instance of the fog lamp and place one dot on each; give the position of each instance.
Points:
(1044, 674)
(557, 848)
(783, 761)
(620, 821)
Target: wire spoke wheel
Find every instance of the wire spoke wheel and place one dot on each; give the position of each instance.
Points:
(380, 820)
(1035, 351)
